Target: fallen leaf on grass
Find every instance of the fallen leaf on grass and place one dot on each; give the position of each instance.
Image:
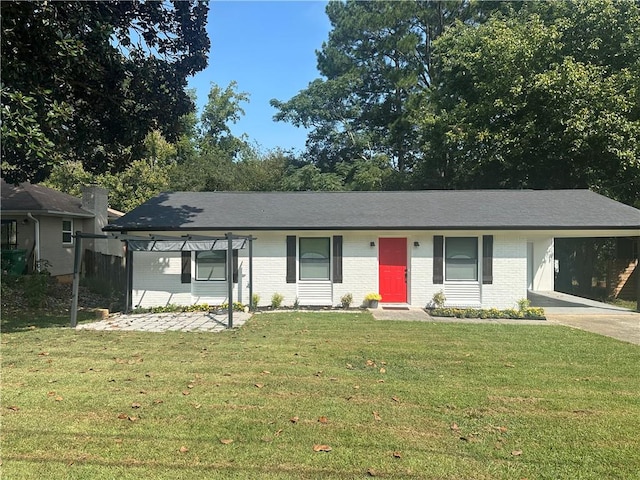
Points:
(51, 394)
(383, 370)
(259, 385)
(349, 366)
(158, 401)
(191, 385)
(135, 405)
(277, 434)
(509, 365)
(371, 472)
(226, 441)
(122, 416)
(516, 453)
(186, 392)
(183, 449)
(397, 455)
(294, 419)
(43, 354)
(454, 427)
(376, 416)
(321, 448)
(15, 408)
(370, 363)
(58, 399)
(266, 372)
(323, 419)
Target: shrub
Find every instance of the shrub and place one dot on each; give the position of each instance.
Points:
(255, 299)
(276, 300)
(346, 300)
(511, 313)
(438, 299)
(35, 288)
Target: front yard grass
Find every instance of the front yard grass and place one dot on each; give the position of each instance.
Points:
(391, 400)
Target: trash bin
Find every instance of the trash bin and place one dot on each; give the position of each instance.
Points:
(14, 261)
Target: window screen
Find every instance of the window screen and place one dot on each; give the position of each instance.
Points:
(461, 258)
(211, 265)
(314, 259)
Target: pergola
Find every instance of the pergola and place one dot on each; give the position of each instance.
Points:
(162, 243)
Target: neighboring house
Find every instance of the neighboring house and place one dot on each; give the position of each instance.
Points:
(42, 221)
(481, 248)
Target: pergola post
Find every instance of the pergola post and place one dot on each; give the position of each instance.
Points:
(77, 260)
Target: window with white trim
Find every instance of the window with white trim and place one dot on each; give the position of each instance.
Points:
(315, 258)
(461, 258)
(67, 232)
(211, 265)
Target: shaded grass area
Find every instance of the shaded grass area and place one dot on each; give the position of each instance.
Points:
(391, 399)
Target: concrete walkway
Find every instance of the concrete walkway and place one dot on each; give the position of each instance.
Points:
(167, 322)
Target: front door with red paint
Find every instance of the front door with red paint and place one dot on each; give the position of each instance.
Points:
(392, 270)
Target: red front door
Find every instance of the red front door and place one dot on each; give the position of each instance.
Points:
(392, 270)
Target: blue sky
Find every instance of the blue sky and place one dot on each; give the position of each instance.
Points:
(268, 48)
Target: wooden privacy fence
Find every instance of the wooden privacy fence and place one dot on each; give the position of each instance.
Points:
(107, 269)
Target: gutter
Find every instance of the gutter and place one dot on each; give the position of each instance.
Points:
(37, 240)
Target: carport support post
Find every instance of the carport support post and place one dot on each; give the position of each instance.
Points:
(251, 305)
(638, 274)
(230, 278)
(77, 259)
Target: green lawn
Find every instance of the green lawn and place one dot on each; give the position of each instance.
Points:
(391, 399)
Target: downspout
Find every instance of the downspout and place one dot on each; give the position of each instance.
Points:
(37, 239)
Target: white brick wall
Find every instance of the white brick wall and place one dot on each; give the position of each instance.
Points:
(156, 280)
(157, 275)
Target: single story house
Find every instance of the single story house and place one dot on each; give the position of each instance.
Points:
(41, 222)
(482, 248)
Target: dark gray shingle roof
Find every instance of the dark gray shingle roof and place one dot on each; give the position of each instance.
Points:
(435, 209)
(26, 197)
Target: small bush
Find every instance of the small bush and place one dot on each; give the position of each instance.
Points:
(35, 288)
(346, 300)
(276, 300)
(255, 299)
(533, 313)
(438, 299)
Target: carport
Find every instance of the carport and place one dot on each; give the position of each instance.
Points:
(162, 243)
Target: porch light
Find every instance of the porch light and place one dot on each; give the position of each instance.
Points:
(416, 244)
(372, 243)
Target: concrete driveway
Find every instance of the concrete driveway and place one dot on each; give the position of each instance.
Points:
(589, 315)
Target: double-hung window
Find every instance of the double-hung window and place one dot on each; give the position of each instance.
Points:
(9, 235)
(315, 259)
(211, 265)
(67, 232)
(461, 258)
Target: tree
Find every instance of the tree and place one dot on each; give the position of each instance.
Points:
(137, 183)
(88, 80)
(545, 98)
(222, 108)
(377, 58)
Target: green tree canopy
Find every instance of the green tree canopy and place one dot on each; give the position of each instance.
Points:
(378, 56)
(87, 81)
(545, 98)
